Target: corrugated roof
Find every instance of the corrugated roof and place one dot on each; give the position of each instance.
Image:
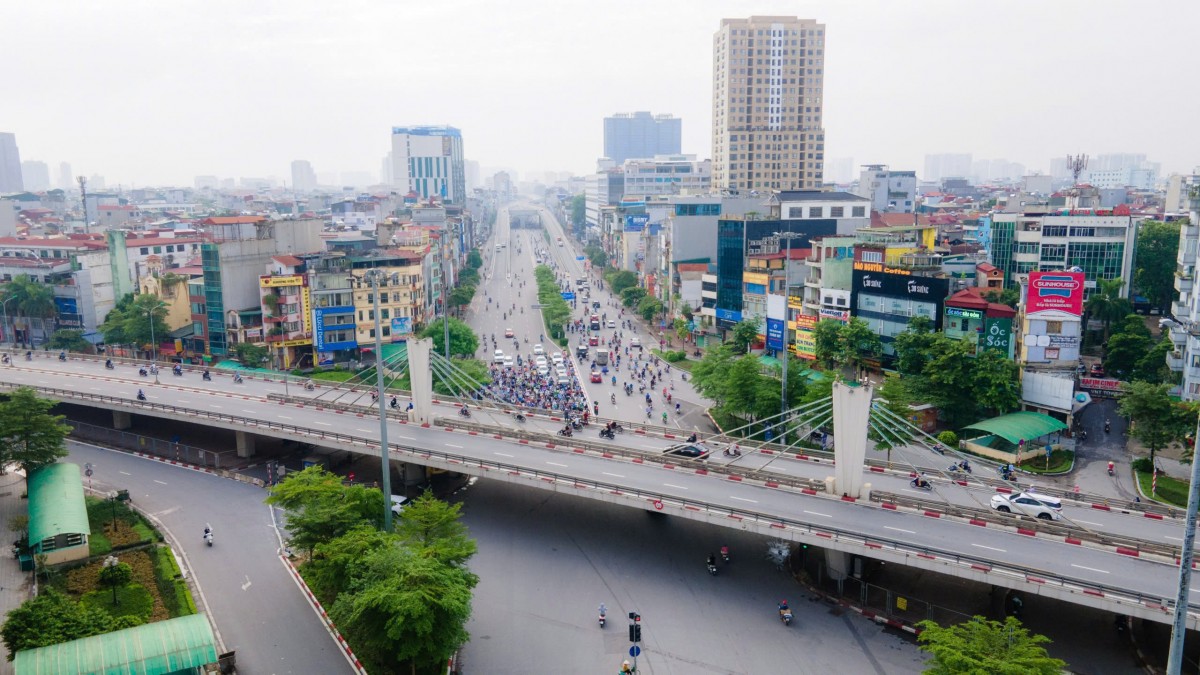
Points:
(151, 649)
(1019, 426)
(56, 502)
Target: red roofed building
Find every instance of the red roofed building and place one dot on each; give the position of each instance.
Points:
(969, 316)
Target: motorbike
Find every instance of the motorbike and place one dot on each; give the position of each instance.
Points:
(208, 538)
(607, 433)
(566, 432)
(309, 386)
(1111, 469)
(177, 371)
(141, 396)
(712, 567)
(725, 554)
(603, 620)
(464, 412)
(142, 372)
(785, 615)
(108, 365)
(519, 417)
(62, 356)
(237, 379)
(921, 484)
(576, 424)
(206, 376)
(1107, 426)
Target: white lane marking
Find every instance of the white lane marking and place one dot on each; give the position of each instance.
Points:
(159, 482)
(743, 499)
(614, 475)
(249, 410)
(814, 513)
(1088, 522)
(125, 473)
(94, 388)
(407, 438)
(369, 431)
(324, 424)
(283, 417)
(1167, 536)
(451, 445)
(1090, 569)
(889, 527)
(677, 487)
(214, 406)
(556, 464)
(502, 454)
(990, 548)
(246, 585)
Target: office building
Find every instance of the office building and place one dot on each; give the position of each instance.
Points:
(889, 191)
(1179, 189)
(35, 175)
(66, 178)
(428, 160)
(768, 84)
(304, 179)
(947, 165)
(666, 175)
(641, 135)
(10, 164)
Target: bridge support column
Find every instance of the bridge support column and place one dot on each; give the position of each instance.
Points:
(122, 420)
(422, 381)
(414, 474)
(851, 410)
(837, 565)
(245, 443)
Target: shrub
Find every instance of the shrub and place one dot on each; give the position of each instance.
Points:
(1143, 464)
(948, 438)
(675, 357)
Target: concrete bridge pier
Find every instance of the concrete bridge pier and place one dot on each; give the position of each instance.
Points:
(122, 420)
(245, 443)
(851, 413)
(837, 566)
(421, 376)
(414, 474)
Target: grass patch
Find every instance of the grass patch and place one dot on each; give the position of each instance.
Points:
(132, 600)
(115, 525)
(332, 375)
(1170, 490)
(171, 586)
(685, 364)
(1060, 461)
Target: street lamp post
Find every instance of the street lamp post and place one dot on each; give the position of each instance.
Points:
(153, 345)
(787, 236)
(375, 279)
(4, 307)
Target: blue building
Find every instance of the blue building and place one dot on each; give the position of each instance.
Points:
(641, 135)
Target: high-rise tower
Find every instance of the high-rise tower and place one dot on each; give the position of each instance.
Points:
(428, 160)
(768, 83)
(10, 164)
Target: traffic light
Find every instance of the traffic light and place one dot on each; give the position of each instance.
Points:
(635, 628)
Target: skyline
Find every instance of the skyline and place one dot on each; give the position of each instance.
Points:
(168, 92)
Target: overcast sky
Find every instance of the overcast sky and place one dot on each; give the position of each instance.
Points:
(152, 92)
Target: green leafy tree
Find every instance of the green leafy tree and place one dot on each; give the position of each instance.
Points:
(708, 376)
(468, 277)
(621, 280)
(827, 341)
(116, 576)
(129, 321)
(894, 397)
(980, 646)
(70, 340)
(1122, 353)
(995, 383)
(1154, 261)
(461, 296)
(474, 259)
(649, 307)
(681, 328)
(1157, 421)
(320, 508)
(743, 334)
(30, 299)
(1107, 304)
(630, 297)
(1006, 296)
(434, 529)
(1152, 366)
(250, 354)
(859, 343)
(913, 345)
(52, 618)
(463, 341)
(948, 379)
(405, 612)
(32, 437)
(332, 565)
(596, 255)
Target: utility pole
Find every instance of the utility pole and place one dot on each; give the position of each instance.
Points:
(83, 201)
(375, 278)
(1179, 621)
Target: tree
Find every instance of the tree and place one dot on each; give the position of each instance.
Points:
(474, 259)
(913, 345)
(981, 646)
(708, 376)
(1005, 296)
(1107, 304)
(70, 340)
(129, 322)
(894, 397)
(432, 527)
(649, 307)
(30, 435)
(995, 382)
(681, 328)
(320, 508)
(948, 381)
(859, 343)
(621, 280)
(578, 210)
(1154, 261)
(1122, 353)
(630, 297)
(743, 334)
(115, 575)
(1152, 366)
(1157, 421)
(596, 255)
(30, 298)
(331, 567)
(826, 341)
(463, 341)
(461, 296)
(52, 618)
(468, 277)
(250, 354)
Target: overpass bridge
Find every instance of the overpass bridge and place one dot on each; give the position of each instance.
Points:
(1117, 557)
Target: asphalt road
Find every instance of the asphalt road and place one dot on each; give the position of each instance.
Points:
(249, 594)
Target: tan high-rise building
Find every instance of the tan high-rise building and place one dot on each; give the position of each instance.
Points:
(768, 79)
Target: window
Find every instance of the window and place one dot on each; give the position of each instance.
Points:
(145, 250)
(795, 212)
(858, 211)
(1053, 327)
(816, 212)
(872, 256)
(836, 211)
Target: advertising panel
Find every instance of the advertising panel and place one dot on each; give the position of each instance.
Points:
(1055, 291)
(774, 333)
(805, 346)
(997, 335)
(636, 223)
(928, 289)
(269, 281)
(728, 315)
(835, 314)
(401, 327)
(963, 313)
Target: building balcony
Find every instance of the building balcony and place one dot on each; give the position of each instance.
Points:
(1175, 361)
(1183, 284)
(1180, 310)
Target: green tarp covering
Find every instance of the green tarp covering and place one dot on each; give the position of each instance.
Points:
(158, 648)
(1019, 426)
(56, 502)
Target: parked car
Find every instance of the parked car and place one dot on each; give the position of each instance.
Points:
(1029, 504)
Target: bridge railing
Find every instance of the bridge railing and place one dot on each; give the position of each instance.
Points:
(808, 532)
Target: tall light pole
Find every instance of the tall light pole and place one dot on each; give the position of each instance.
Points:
(375, 279)
(7, 331)
(153, 343)
(787, 236)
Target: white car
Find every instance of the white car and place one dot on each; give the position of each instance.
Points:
(508, 362)
(557, 358)
(1029, 504)
(635, 343)
(538, 350)
(543, 370)
(612, 323)
(498, 357)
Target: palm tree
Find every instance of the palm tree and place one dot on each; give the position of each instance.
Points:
(30, 299)
(1108, 304)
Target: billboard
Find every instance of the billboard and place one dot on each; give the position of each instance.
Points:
(997, 335)
(1055, 292)
(401, 326)
(776, 318)
(636, 223)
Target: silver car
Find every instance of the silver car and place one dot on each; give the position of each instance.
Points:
(1029, 504)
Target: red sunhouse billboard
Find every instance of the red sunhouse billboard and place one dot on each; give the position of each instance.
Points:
(1055, 291)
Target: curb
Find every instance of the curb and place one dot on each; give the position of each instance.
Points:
(320, 611)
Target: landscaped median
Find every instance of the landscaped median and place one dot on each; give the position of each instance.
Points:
(1166, 489)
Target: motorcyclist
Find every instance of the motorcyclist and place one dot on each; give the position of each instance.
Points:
(62, 356)
(613, 399)
(207, 376)
(237, 378)
(724, 552)
(394, 404)
(712, 560)
(692, 438)
(464, 411)
(108, 364)
(141, 395)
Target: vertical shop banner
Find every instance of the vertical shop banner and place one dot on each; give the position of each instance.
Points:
(997, 335)
(776, 321)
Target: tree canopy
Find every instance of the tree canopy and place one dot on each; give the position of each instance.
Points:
(30, 435)
(320, 509)
(463, 341)
(983, 647)
(30, 298)
(51, 618)
(1156, 420)
(849, 344)
(1154, 261)
(70, 340)
(619, 280)
(129, 322)
(1108, 304)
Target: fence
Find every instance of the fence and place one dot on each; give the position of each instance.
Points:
(152, 446)
(885, 602)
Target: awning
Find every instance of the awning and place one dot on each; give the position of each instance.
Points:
(1019, 426)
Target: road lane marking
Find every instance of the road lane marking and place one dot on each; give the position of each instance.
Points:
(889, 527)
(283, 417)
(451, 445)
(407, 438)
(324, 424)
(677, 487)
(369, 431)
(214, 406)
(94, 388)
(1167, 536)
(502, 454)
(743, 499)
(125, 473)
(1090, 569)
(556, 464)
(614, 475)
(246, 585)
(814, 513)
(990, 548)
(249, 410)
(159, 482)
(1088, 522)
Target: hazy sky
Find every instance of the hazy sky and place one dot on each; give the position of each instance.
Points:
(154, 92)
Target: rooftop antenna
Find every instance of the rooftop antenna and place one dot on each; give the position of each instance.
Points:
(1076, 164)
(83, 198)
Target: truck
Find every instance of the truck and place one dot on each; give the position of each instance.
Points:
(594, 322)
(602, 357)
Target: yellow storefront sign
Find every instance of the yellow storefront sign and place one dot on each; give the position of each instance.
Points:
(281, 280)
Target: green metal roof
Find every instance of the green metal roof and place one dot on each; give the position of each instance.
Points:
(56, 502)
(155, 648)
(1019, 426)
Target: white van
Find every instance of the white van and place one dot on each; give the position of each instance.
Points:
(398, 503)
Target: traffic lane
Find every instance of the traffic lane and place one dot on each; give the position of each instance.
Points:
(546, 561)
(256, 606)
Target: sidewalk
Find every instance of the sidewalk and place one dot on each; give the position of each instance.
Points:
(15, 586)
